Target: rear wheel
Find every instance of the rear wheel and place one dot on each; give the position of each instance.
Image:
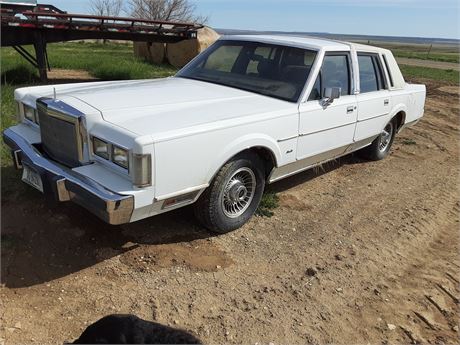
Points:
(233, 196)
(380, 147)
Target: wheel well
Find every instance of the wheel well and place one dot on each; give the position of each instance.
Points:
(400, 119)
(267, 157)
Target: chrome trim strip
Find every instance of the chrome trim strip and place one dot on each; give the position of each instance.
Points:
(408, 124)
(66, 184)
(306, 163)
(327, 129)
(361, 144)
(182, 192)
(287, 139)
(373, 118)
(310, 162)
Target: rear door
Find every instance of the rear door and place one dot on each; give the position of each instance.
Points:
(326, 131)
(374, 99)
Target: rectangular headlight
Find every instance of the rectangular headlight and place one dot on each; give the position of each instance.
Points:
(142, 170)
(101, 148)
(120, 156)
(30, 114)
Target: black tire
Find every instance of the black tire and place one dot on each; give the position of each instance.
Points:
(380, 147)
(210, 209)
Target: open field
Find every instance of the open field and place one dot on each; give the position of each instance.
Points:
(433, 64)
(356, 252)
(435, 52)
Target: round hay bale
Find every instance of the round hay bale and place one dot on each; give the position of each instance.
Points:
(157, 53)
(151, 52)
(141, 50)
(179, 54)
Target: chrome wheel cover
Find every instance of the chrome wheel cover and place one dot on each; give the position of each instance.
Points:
(239, 192)
(385, 137)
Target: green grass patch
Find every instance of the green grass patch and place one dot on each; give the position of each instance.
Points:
(269, 202)
(450, 76)
(435, 52)
(447, 57)
(104, 61)
(7, 119)
(409, 142)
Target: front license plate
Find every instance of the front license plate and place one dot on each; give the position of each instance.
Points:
(32, 178)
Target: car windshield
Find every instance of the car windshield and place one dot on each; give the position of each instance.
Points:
(267, 69)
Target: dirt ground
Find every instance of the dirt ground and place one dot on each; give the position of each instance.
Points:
(357, 252)
(62, 75)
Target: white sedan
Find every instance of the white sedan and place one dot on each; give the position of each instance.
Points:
(248, 111)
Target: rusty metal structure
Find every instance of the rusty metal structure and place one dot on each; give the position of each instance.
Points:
(45, 24)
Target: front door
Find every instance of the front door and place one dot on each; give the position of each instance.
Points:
(326, 131)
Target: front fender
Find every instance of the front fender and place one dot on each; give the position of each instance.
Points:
(241, 144)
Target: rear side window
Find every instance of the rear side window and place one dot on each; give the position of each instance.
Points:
(367, 75)
(370, 73)
(388, 70)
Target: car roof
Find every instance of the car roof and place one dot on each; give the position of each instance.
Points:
(305, 42)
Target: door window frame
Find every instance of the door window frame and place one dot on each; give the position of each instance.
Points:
(347, 54)
(382, 82)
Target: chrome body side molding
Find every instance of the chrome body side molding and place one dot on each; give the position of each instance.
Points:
(310, 162)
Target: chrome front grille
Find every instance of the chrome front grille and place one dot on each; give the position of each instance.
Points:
(61, 132)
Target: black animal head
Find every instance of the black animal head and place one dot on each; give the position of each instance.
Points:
(129, 329)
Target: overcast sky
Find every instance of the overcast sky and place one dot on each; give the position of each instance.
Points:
(418, 18)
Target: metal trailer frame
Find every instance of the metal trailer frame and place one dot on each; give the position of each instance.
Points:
(47, 24)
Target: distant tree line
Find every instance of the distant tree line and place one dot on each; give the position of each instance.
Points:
(169, 10)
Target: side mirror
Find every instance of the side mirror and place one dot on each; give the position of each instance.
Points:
(331, 94)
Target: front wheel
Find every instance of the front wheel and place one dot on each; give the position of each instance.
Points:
(233, 196)
(380, 147)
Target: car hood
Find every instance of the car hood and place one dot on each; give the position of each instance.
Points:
(162, 106)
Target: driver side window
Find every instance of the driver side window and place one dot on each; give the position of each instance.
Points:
(335, 72)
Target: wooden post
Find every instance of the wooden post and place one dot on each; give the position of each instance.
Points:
(40, 53)
(429, 51)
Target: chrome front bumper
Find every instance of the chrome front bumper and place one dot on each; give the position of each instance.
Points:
(65, 184)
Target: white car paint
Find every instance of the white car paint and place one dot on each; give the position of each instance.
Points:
(191, 128)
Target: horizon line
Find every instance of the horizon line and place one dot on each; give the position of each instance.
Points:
(330, 33)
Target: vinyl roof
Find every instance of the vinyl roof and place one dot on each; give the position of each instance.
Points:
(304, 42)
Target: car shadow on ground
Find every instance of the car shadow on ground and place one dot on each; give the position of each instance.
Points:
(43, 240)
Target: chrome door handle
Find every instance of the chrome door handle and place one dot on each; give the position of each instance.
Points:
(350, 110)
